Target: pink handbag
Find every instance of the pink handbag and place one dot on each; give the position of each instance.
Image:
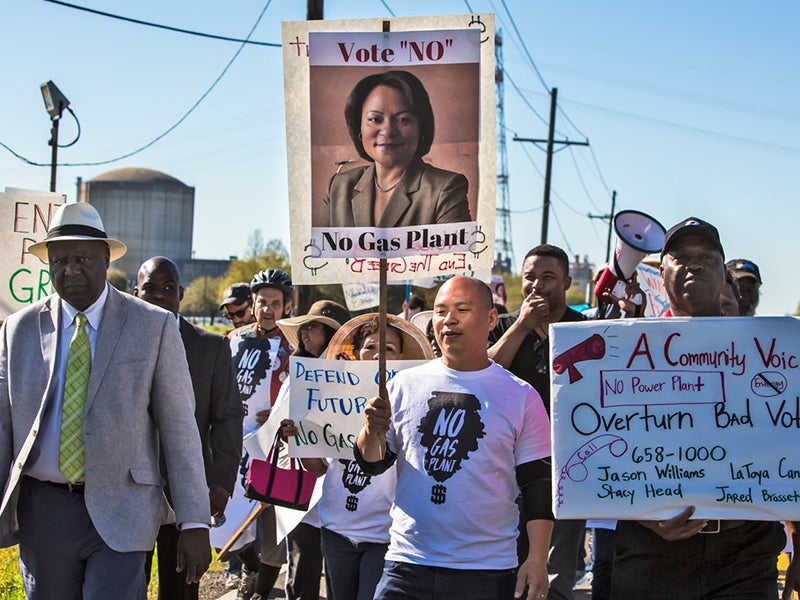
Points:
(268, 482)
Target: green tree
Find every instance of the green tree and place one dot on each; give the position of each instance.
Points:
(276, 245)
(255, 244)
(202, 297)
(244, 269)
(576, 295)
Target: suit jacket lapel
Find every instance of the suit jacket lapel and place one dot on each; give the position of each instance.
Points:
(363, 197)
(114, 314)
(49, 329)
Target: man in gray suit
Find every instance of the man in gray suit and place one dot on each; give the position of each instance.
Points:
(92, 383)
(218, 412)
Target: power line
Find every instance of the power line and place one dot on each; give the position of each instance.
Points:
(524, 47)
(561, 229)
(575, 127)
(599, 172)
(160, 26)
(170, 129)
(580, 178)
(386, 6)
(559, 108)
(793, 150)
(552, 190)
(523, 98)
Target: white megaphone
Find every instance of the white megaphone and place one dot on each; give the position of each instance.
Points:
(638, 235)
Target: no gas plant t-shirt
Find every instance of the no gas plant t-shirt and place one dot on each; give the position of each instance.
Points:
(458, 437)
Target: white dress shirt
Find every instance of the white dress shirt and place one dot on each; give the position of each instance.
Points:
(48, 442)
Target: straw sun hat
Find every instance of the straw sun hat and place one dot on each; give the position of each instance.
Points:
(415, 344)
(327, 312)
(77, 221)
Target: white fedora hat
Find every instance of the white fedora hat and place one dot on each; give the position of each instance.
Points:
(77, 221)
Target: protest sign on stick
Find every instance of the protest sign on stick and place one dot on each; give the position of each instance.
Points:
(439, 216)
(327, 402)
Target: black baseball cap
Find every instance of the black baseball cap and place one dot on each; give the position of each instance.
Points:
(695, 226)
(238, 293)
(742, 267)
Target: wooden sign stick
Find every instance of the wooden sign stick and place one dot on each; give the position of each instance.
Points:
(225, 550)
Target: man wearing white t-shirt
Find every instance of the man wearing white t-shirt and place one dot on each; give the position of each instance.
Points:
(466, 436)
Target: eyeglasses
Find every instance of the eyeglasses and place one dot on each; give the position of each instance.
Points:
(236, 315)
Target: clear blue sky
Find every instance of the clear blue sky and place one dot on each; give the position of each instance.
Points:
(691, 108)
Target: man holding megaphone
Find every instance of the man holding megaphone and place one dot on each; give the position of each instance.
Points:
(687, 558)
(519, 343)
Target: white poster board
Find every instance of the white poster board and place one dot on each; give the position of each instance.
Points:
(327, 402)
(653, 415)
(650, 281)
(24, 219)
(453, 57)
(360, 296)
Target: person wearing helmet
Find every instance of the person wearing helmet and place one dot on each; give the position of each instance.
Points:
(272, 291)
(272, 300)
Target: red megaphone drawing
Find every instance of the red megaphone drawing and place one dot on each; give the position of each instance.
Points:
(589, 349)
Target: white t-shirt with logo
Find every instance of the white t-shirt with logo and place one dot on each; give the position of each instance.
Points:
(458, 436)
(356, 505)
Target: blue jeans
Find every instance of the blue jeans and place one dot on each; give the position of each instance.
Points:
(418, 582)
(353, 568)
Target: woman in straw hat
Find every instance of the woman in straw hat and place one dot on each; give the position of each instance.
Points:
(354, 508)
(309, 334)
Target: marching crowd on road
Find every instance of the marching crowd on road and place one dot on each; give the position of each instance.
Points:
(121, 431)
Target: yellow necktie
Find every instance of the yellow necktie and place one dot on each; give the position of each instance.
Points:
(79, 367)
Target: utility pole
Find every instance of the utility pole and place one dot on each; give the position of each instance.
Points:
(610, 219)
(548, 172)
(314, 10)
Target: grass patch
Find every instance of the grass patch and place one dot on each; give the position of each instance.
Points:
(10, 579)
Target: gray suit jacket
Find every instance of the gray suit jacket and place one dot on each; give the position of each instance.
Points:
(139, 394)
(425, 196)
(218, 406)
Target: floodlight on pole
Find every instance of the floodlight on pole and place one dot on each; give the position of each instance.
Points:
(54, 100)
(54, 103)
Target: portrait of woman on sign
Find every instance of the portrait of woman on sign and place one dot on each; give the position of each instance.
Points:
(390, 121)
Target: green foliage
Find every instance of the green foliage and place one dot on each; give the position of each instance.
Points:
(202, 297)
(255, 244)
(576, 295)
(513, 285)
(244, 269)
(10, 580)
